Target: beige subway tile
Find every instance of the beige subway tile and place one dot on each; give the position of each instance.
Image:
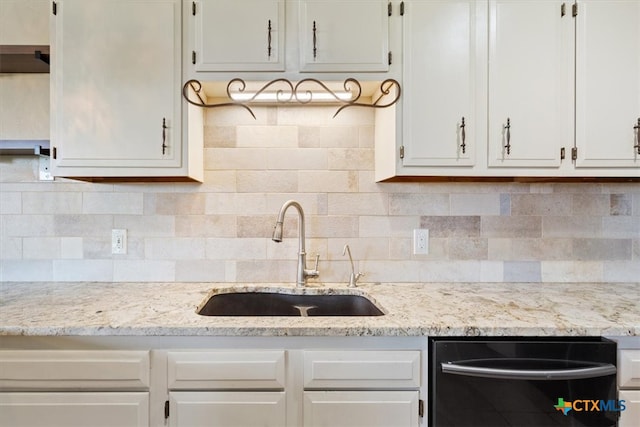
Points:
(206, 226)
(366, 136)
(26, 270)
(312, 204)
(540, 204)
(522, 271)
(527, 249)
(351, 159)
(327, 181)
(307, 116)
(236, 248)
(358, 204)
(591, 204)
(450, 271)
(296, 158)
(144, 271)
(219, 136)
(475, 204)
(387, 226)
(572, 271)
(161, 248)
(174, 204)
(419, 204)
(511, 226)
(10, 202)
(41, 247)
(267, 136)
(20, 169)
(10, 247)
(262, 225)
(200, 271)
(328, 136)
(620, 204)
(91, 270)
(112, 203)
(571, 226)
(361, 248)
(332, 226)
(622, 271)
(266, 271)
(451, 226)
(230, 116)
(71, 247)
(392, 271)
(623, 227)
(219, 181)
(491, 271)
(146, 225)
(52, 202)
(268, 181)
(235, 158)
(602, 249)
(27, 225)
(468, 249)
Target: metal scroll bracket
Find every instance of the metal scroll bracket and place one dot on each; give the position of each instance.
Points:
(285, 92)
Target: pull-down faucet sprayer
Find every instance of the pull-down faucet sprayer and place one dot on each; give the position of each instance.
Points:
(302, 272)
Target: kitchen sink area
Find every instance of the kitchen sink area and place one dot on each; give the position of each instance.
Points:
(288, 304)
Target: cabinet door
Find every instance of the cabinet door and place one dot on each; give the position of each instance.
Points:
(360, 408)
(444, 57)
(115, 86)
(608, 84)
(239, 35)
(344, 35)
(74, 409)
(630, 416)
(229, 409)
(530, 80)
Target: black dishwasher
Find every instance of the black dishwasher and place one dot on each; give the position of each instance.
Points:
(522, 382)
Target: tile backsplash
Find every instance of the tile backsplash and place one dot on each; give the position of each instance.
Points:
(220, 230)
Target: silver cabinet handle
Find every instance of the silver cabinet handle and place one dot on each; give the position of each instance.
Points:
(164, 135)
(598, 370)
(269, 38)
(508, 129)
(637, 129)
(315, 44)
(464, 137)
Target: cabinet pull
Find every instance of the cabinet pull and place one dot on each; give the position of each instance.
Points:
(269, 38)
(315, 49)
(508, 129)
(164, 135)
(637, 129)
(464, 136)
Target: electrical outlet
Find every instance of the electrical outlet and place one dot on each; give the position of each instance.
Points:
(118, 241)
(420, 241)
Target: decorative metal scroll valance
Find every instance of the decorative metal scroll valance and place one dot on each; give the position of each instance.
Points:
(284, 91)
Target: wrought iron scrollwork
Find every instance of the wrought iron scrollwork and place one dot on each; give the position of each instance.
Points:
(286, 92)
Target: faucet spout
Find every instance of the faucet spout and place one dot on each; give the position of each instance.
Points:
(303, 272)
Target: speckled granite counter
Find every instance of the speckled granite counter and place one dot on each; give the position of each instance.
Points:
(153, 309)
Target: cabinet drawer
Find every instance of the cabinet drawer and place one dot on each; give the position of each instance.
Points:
(74, 369)
(226, 370)
(69, 409)
(361, 369)
(629, 369)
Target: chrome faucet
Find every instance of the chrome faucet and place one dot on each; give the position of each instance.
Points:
(353, 278)
(303, 272)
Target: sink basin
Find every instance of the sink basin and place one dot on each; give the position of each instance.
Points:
(284, 304)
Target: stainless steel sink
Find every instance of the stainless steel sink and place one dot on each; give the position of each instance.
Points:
(285, 304)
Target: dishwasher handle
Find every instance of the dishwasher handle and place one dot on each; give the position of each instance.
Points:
(467, 368)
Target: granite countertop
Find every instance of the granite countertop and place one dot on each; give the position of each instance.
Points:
(444, 309)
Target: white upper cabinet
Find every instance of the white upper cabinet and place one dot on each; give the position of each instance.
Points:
(443, 116)
(116, 99)
(344, 35)
(530, 106)
(608, 84)
(238, 35)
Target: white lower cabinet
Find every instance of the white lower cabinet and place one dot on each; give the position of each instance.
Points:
(361, 408)
(74, 409)
(629, 385)
(227, 408)
(69, 388)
